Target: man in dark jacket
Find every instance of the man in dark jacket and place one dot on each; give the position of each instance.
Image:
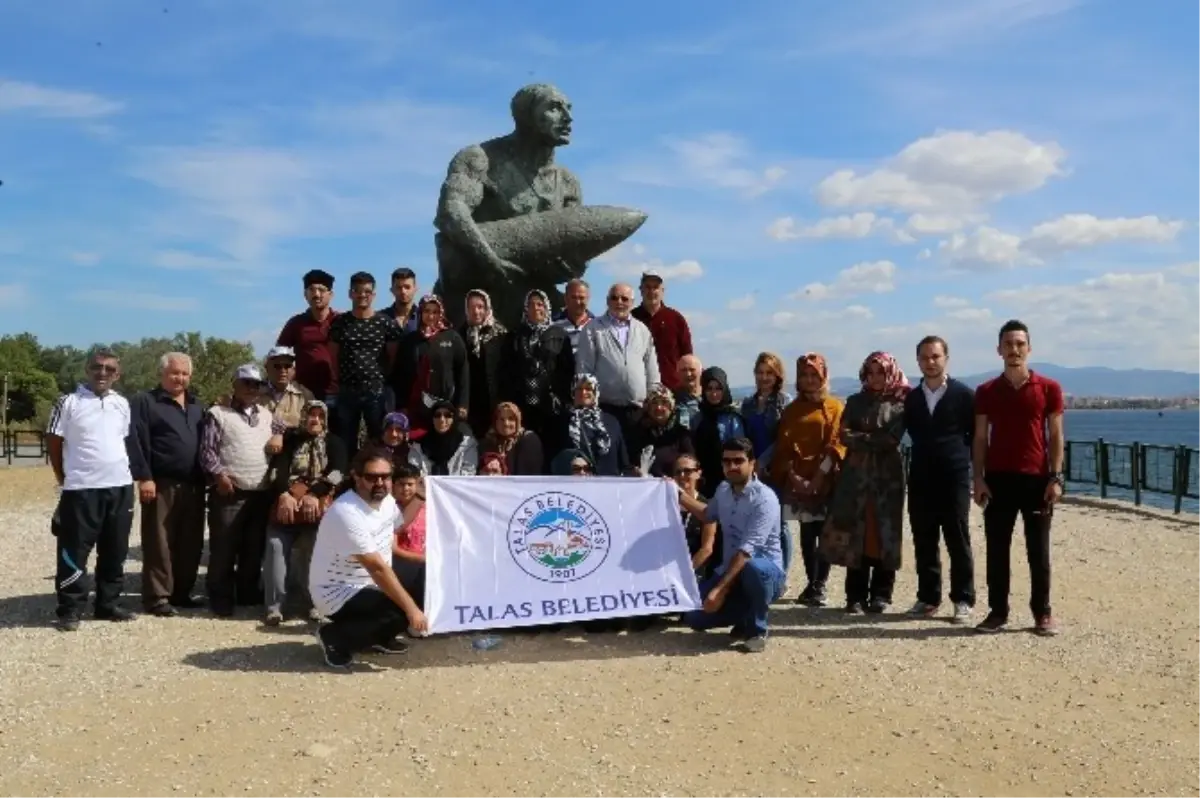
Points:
(940, 417)
(166, 426)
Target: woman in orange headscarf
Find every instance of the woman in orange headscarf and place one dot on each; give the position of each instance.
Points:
(804, 467)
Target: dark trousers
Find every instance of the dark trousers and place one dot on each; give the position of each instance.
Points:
(411, 575)
(99, 518)
(626, 416)
(1014, 494)
(869, 581)
(354, 407)
(237, 533)
(816, 568)
(937, 512)
(172, 541)
(369, 617)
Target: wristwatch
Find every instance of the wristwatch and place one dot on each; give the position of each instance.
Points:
(1057, 476)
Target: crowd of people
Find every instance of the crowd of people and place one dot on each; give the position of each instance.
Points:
(311, 470)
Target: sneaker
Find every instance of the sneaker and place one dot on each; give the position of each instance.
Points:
(740, 634)
(878, 606)
(334, 657)
(756, 644)
(163, 609)
(994, 622)
(923, 610)
(393, 646)
(806, 596)
(962, 613)
(855, 608)
(115, 614)
(68, 622)
(274, 618)
(1046, 626)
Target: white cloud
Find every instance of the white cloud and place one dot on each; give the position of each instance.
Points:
(741, 303)
(984, 247)
(1080, 230)
(861, 225)
(869, 277)
(84, 258)
(31, 98)
(104, 298)
(12, 294)
(698, 319)
(717, 160)
(178, 260)
(948, 302)
(630, 262)
(970, 314)
(948, 173)
(924, 224)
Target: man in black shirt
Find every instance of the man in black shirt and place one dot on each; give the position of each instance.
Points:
(363, 344)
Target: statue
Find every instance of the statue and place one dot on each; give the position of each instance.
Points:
(510, 219)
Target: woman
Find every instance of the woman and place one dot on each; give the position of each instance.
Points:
(492, 464)
(592, 431)
(866, 514)
(408, 547)
(539, 366)
(449, 448)
(701, 534)
(804, 467)
(306, 471)
(520, 447)
(395, 440)
(720, 421)
(762, 411)
(572, 463)
(485, 339)
(431, 363)
(658, 438)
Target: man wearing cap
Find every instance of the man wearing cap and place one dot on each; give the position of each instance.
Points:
(233, 454)
(307, 335)
(672, 336)
(283, 395)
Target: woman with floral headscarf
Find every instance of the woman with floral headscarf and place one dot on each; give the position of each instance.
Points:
(486, 340)
(520, 448)
(594, 432)
(804, 467)
(539, 367)
(431, 364)
(395, 440)
(866, 513)
(658, 438)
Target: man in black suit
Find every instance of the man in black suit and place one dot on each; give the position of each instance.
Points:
(940, 417)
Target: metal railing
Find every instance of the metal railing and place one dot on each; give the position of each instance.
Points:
(17, 444)
(1123, 470)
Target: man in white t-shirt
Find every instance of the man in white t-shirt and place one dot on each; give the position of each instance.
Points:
(90, 445)
(351, 578)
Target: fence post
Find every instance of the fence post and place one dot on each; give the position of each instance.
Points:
(1102, 467)
(1181, 471)
(1135, 472)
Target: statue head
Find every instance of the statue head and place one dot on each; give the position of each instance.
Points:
(542, 112)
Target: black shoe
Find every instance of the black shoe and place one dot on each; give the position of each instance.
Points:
(878, 606)
(806, 596)
(854, 608)
(187, 602)
(756, 644)
(116, 614)
(994, 622)
(68, 622)
(334, 657)
(741, 634)
(163, 609)
(393, 646)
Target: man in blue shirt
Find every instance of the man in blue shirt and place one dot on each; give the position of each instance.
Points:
(751, 574)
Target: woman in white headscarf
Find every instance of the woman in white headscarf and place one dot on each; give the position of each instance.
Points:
(486, 339)
(539, 367)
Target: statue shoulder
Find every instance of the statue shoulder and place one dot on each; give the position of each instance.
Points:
(472, 161)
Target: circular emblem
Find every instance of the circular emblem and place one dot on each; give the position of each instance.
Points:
(558, 537)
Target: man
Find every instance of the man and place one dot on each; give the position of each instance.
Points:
(689, 391)
(575, 315)
(1018, 470)
(404, 290)
(751, 575)
(307, 334)
(283, 395)
(233, 453)
(672, 336)
(619, 350)
(90, 443)
(167, 421)
(363, 344)
(351, 577)
(940, 418)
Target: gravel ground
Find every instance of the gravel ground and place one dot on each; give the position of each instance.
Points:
(836, 706)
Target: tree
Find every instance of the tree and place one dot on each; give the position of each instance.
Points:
(30, 389)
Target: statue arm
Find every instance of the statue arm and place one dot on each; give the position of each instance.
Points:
(573, 195)
(462, 193)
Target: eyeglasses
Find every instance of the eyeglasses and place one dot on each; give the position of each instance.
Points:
(685, 472)
(377, 478)
(617, 298)
(734, 461)
(102, 368)
(580, 469)
(282, 365)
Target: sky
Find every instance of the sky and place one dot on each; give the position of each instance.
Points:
(822, 176)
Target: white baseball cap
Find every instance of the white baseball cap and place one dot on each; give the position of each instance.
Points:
(281, 351)
(249, 372)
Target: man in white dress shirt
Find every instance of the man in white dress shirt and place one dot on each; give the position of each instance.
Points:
(89, 440)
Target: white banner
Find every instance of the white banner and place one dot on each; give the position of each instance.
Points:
(523, 551)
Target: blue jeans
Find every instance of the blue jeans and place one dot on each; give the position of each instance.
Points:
(759, 583)
(353, 407)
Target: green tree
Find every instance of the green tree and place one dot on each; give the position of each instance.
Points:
(30, 389)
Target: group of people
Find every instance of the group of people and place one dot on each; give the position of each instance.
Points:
(311, 469)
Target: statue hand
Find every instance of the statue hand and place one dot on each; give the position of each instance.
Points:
(508, 270)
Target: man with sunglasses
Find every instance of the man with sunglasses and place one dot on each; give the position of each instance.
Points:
(751, 575)
(91, 445)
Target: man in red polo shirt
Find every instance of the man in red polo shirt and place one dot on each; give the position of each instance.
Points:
(669, 329)
(307, 334)
(1018, 470)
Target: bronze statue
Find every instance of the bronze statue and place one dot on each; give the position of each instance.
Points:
(510, 219)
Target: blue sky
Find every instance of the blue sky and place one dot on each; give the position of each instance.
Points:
(837, 176)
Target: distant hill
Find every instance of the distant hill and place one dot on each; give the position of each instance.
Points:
(1083, 381)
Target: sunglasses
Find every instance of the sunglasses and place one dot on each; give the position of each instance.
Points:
(615, 298)
(685, 472)
(580, 469)
(377, 478)
(282, 365)
(102, 368)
